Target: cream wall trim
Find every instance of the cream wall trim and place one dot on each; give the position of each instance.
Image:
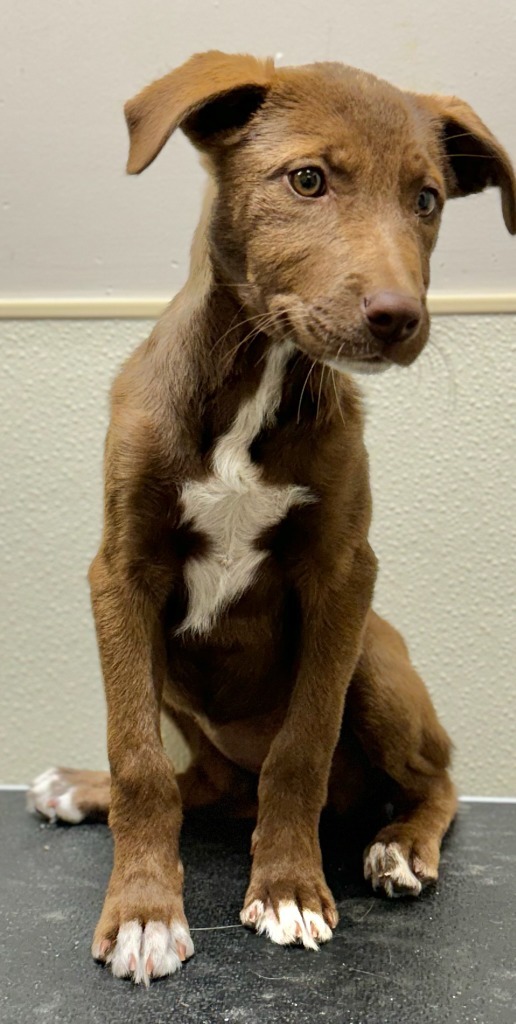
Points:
(476, 302)
(148, 309)
(487, 799)
(81, 309)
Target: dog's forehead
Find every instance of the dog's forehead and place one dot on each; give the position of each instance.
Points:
(336, 89)
(339, 108)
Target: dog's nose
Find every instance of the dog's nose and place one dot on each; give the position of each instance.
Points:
(391, 316)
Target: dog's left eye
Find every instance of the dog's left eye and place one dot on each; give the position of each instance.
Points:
(426, 202)
(308, 182)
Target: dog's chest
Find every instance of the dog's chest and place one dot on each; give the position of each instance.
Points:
(234, 505)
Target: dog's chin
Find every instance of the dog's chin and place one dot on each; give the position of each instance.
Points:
(367, 365)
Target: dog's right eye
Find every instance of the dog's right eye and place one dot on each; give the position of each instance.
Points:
(426, 202)
(308, 182)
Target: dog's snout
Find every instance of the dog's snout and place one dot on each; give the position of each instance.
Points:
(391, 316)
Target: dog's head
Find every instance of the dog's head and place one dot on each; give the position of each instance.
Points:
(330, 188)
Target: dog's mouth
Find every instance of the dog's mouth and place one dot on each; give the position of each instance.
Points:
(344, 346)
(338, 338)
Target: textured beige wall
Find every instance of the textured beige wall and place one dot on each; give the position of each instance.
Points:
(441, 438)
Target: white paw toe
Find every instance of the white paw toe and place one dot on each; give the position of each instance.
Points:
(317, 926)
(289, 926)
(150, 952)
(52, 795)
(124, 958)
(386, 868)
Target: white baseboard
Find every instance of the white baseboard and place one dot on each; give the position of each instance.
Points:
(487, 799)
(143, 308)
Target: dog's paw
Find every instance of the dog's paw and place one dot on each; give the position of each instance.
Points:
(53, 795)
(291, 925)
(290, 912)
(142, 932)
(145, 952)
(387, 867)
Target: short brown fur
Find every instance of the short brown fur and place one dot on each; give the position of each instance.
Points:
(300, 695)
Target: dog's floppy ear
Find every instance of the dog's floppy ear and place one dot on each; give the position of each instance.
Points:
(476, 159)
(211, 93)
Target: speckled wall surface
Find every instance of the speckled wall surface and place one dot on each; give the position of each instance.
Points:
(441, 437)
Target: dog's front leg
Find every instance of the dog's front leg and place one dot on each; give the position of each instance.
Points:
(288, 898)
(142, 932)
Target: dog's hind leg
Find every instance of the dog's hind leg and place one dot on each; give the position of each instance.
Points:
(390, 712)
(75, 795)
(71, 795)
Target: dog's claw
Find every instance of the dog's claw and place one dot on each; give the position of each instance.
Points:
(386, 867)
(143, 953)
(288, 925)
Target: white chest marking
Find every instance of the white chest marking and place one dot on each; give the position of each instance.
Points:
(234, 505)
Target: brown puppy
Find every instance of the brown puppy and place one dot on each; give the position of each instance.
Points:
(234, 581)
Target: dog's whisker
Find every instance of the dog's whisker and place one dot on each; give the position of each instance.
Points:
(323, 369)
(234, 326)
(337, 399)
(426, 370)
(450, 378)
(471, 156)
(303, 391)
(459, 135)
(263, 323)
(229, 356)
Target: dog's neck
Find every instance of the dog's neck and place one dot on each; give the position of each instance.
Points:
(215, 355)
(211, 353)
(200, 283)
